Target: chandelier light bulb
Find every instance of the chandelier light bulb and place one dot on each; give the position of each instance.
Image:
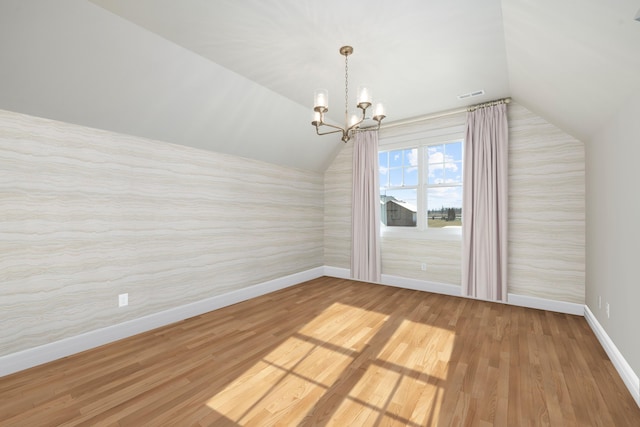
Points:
(321, 99)
(353, 120)
(364, 96)
(317, 118)
(378, 111)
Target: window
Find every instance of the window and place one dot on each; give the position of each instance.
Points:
(421, 186)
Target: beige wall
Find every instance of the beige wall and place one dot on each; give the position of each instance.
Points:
(87, 214)
(546, 208)
(337, 212)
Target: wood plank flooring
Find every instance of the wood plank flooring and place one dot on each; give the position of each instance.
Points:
(340, 353)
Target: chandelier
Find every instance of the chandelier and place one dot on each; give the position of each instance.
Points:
(352, 124)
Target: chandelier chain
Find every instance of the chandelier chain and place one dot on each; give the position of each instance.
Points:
(346, 88)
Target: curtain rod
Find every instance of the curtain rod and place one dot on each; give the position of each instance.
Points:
(445, 113)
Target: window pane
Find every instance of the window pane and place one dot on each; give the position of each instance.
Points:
(411, 157)
(395, 158)
(398, 207)
(436, 174)
(454, 151)
(452, 162)
(395, 177)
(435, 153)
(444, 207)
(453, 172)
(383, 159)
(383, 169)
(411, 176)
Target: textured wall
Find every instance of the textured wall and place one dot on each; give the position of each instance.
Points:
(337, 217)
(403, 257)
(546, 207)
(546, 210)
(87, 214)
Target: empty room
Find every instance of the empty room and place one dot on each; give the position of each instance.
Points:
(304, 213)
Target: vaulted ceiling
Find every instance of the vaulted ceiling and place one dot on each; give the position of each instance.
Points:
(237, 76)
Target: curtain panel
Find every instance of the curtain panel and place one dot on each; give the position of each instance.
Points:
(484, 207)
(365, 212)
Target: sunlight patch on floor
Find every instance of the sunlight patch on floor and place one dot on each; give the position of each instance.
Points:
(409, 361)
(395, 370)
(325, 346)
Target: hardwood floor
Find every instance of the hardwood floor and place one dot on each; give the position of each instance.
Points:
(336, 352)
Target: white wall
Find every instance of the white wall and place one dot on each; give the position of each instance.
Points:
(613, 231)
(88, 214)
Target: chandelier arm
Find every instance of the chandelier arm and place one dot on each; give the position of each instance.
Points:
(332, 126)
(338, 129)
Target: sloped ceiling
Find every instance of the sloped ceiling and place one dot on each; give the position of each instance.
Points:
(237, 76)
(574, 62)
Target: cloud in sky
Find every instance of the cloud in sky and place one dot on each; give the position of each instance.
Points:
(445, 163)
(411, 157)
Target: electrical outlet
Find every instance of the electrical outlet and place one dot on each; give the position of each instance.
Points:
(423, 266)
(123, 300)
(608, 312)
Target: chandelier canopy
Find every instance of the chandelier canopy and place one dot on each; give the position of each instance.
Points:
(352, 124)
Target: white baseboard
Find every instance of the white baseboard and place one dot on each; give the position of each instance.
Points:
(340, 273)
(399, 282)
(629, 377)
(546, 304)
(420, 285)
(46, 353)
(454, 290)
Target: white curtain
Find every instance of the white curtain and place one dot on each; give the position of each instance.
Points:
(365, 212)
(484, 207)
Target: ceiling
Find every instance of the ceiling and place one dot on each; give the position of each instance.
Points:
(237, 76)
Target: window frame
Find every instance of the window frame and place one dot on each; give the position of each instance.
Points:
(421, 142)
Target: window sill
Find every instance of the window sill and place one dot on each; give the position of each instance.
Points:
(412, 233)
